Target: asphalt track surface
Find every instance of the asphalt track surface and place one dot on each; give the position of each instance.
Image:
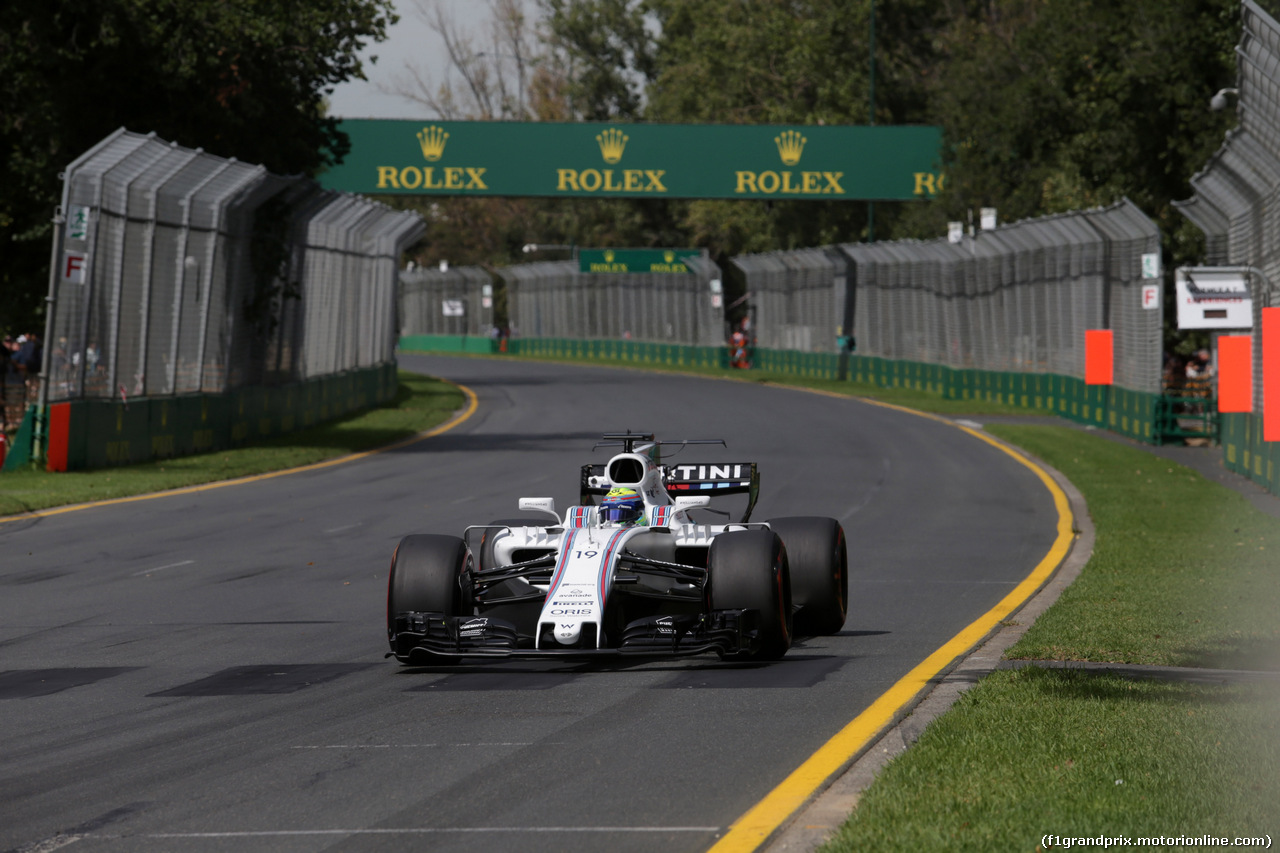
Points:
(205, 671)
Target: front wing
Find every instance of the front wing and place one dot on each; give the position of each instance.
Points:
(725, 632)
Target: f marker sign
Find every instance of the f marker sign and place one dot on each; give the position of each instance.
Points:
(73, 267)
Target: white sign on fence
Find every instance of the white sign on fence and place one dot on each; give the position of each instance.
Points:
(1150, 296)
(1213, 298)
(453, 308)
(73, 267)
(78, 222)
(1151, 265)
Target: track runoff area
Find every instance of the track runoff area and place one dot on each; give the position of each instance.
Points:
(949, 533)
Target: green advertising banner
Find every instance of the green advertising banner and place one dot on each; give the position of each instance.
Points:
(635, 260)
(638, 160)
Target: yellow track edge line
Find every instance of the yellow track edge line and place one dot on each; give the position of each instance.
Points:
(473, 403)
(758, 824)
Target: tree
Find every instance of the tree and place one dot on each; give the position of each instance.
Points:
(806, 62)
(239, 78)
(606, 52)
(494, 81)
(1053, 105)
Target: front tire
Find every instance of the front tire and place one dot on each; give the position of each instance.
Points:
(819, 562)
(748, 571)
(424, 578)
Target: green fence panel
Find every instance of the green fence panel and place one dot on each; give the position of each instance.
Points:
(18, 453)
(104, 433)
(448, 343)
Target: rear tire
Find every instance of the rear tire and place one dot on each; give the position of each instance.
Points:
(819, 561)
(748, 571)
(424, 578)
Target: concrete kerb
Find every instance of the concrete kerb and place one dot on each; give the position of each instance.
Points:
(810, 827)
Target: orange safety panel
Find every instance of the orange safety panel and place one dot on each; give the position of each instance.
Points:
(1271, 374)
(1098, 357)
(1235, 373)
(59, 434)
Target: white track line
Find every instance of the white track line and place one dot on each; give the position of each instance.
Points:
(344, 527)
(162, 568)
(284, 833)
(400, 745)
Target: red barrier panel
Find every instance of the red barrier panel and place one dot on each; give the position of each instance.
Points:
(1098, 357)
(59, 434)
(1271, 374)
(1235, 373)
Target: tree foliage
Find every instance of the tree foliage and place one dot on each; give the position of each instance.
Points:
(239, 78)
(1045, 105)
(1048, 105)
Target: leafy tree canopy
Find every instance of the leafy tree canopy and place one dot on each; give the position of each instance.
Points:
(1049, 105)
(239, 78)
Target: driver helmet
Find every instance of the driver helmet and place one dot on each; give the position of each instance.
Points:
(622, 506)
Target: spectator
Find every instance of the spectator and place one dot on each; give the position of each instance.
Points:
(5, 352)
(28, 359)
(12, 393)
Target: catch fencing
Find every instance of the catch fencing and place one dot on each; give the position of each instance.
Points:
(178, 272)
(554, 299)
(457, 301)
(797, 297)
(1237, 204)
(197, 302)
(1016, 298)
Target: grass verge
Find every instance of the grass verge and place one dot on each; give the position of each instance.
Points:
(1079, 754)
(1184, 572)
(421, 402)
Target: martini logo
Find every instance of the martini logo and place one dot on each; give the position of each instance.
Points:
(790, 146)
(432, 139)
(451, 179)
(612, 142)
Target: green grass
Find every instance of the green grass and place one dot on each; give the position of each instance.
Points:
(1072, 753)
(925, 401)
(1184, 572)
(421, 403)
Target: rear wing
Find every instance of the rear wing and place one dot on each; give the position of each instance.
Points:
(713, 479)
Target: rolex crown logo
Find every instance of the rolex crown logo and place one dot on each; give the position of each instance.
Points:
(790, 146)
(432, 139)
(668, 256)
(612, 141)
(609, 256)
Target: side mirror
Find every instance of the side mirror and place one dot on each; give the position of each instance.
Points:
(547, 505)
(692, 501)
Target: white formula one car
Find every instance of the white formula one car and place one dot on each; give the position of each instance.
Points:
(631, 575)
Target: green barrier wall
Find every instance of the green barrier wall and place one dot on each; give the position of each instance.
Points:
(102, 433)
(1142, 416)
(19, 451)
(1244, 451)
(626, 352)
(448, 343)
(1130, 413)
